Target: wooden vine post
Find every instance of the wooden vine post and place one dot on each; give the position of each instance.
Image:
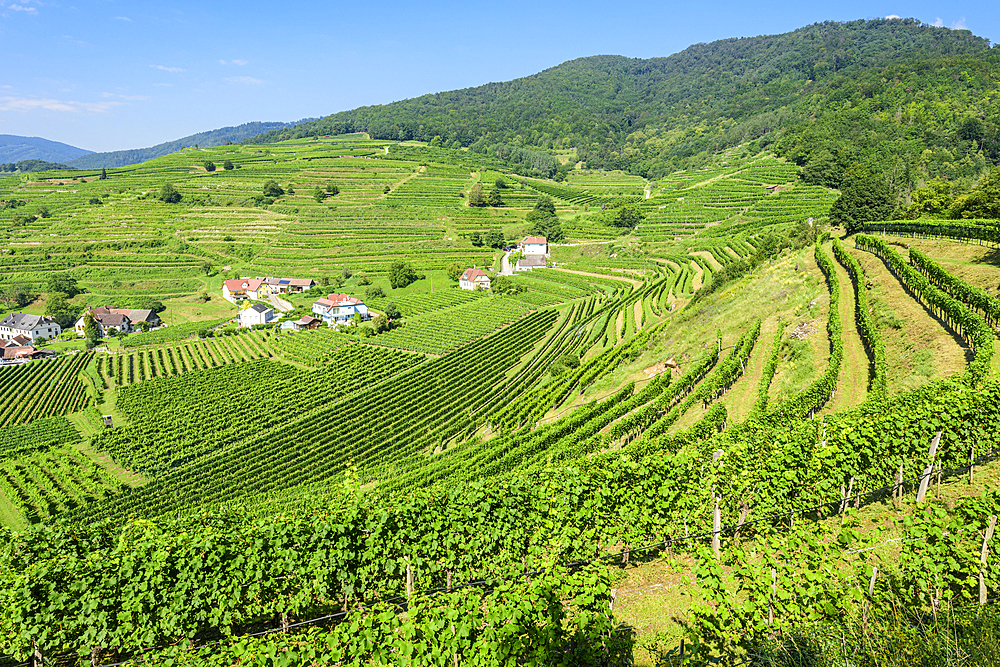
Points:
(409, 579)
(926, 478)
(717, 514)
(982, 559)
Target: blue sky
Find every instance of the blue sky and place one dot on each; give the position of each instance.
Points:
(109, 75)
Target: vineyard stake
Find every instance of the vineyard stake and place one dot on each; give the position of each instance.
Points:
(774, 593)
(716, 529)
(926, 477)
(982, 559)
(409, 578)
(972, 461)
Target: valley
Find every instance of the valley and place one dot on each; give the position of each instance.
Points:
(698, 431)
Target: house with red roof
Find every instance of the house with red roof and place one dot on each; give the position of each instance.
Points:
(337, 309)
(474, 279)
(237, 289)
(535, 245)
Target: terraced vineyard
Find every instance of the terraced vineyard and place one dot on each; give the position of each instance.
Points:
(42, 389)
(617, 404)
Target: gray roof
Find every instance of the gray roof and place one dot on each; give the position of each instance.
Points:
(25, 322)
(259, 308)
(531, 260)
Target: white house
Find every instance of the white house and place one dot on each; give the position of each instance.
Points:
(535, 245)
(256, 314)
(339, 309)
(118, 320)
(30, 327)
(474, 279)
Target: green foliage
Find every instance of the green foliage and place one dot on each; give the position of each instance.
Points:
(391, 311)
(16, 295)
(476, 197)
(627, 216)
(455, 271)
(401, 274)
(982, 202)
(169, 194)
(862, 201)
(506, 285)
(228, 165)
(494, 238)
(209, 165)
(272, 189)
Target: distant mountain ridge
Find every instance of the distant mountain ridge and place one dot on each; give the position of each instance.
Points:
(223, 135)
(653, 116)
(14, 148)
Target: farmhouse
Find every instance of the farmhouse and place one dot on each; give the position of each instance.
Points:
(534, 250)
(286, 285)
(256, 314)
(535, 246)
(30, 327)
(237, 289)
(474, 279)
(529, 262)
(338, 309)
(117, 320)
(12, 352)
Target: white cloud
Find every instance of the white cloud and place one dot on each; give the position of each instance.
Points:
(167, 69)
(959, 24)
(130, 98)
(235, 61)
(938, 23)
(122, 18)
(893, 16)
(244, 79)
(33, 104)
(22, 8)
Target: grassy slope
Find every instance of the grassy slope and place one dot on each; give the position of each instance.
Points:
(918, 348)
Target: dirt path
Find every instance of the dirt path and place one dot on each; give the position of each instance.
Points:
(632, 281)
(855, 371)
(919, 348)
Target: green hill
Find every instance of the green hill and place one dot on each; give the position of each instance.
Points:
(654, 116)
(705, 427)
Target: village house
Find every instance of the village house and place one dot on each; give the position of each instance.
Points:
(115, 321)
(535, 245)
(29, 327)
(286, 285)
(534, 251)
(238, 289)
(338, 309)
(256, 314)
(474, 279)
(18, 350)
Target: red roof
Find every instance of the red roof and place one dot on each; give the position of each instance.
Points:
(472, 274)
(339, 300)
(241, 284)
(539, 240)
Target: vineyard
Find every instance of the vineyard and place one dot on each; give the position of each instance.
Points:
(716, 394)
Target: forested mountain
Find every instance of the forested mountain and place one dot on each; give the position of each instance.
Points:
(891, 80)
(14, 148)
(217, 137)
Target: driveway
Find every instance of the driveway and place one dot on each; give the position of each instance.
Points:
(279, 303)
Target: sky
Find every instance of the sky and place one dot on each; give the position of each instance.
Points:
(110, 75)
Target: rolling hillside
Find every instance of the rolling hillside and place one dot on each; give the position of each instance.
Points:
(718, 427)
